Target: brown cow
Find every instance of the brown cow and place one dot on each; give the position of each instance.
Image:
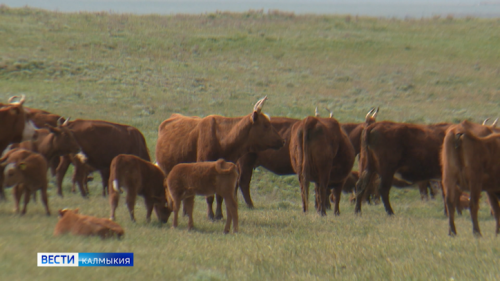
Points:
(186, 180)
(102, 141)
(278, 161)
(28, 170)
(138, 177)
(388, 148)
(184, 139)
(321, 152)
(71, 221)
(470, 160)
(81, 172)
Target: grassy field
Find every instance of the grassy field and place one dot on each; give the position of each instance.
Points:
(139, 69)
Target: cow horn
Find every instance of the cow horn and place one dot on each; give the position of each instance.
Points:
(259, 104)
(494, 124)
(331, 112)
(369, 112)
(12, 98)
(374, 115)
(485, 120)
(66, 121)
(23, 97)
(316, 113)
(59, 121)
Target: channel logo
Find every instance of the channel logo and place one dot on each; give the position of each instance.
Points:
(85, 259)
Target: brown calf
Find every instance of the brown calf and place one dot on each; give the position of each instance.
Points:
(28, 170)
(138, 177)
(71, 221)
(203, 178)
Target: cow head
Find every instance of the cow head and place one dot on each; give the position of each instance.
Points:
(23, 123)
(63, 212)
(13, 173)
(262, 134)
(63, 140)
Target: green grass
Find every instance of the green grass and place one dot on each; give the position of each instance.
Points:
(138, 70)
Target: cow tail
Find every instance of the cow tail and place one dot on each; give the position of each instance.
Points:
(114, 173)
(170, 198)
(365, 161)
(309, 124)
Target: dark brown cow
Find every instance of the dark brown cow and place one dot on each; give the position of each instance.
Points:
(321, 152)
(101, 141)
(70, 221)
(186, 180)
(27, 170)
(470, 160)
(278, 161)
(408, 149)
(183, 139)
(138, 177)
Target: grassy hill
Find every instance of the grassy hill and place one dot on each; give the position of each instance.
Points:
(138, 70)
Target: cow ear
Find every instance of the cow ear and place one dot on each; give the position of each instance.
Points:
(254, 116)
(76, 211)
(61, 212)
(22, 166)
(53, 129)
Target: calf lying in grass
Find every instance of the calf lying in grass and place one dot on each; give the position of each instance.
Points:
(203, 178)
(76, 224)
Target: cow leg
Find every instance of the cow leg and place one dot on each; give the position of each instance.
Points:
(189, 206)
(105, 178)
(422, 187)
(131, 204)
(218, 208)
(337, 191)
(61, 171)
(114, 197)
(385, 188)
(45, 200)
(149, 208)
(496, 210)
(432, 189)
(2, 194)
(475, 193)
(246, 164)
(232, 214)
(53, 164)
(365, 180)
(17, 193)
(210, 212)
(27, 196)
(458, 193)
(175, 208)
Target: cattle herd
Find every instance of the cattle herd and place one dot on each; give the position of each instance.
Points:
(212, 156)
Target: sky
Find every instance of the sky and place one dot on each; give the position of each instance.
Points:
(379, 8)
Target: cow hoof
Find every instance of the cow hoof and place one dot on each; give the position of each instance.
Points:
(218, 217)
(250, 206)
(225, 232)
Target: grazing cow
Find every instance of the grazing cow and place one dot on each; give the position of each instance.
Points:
(184, 139)
(28, 170)
(102, 141)
(470, 161)
(388, 148)
(138, 177)
(14, 124)
(186, 180)
(70, 221)
(321, 152)
(278, 161)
